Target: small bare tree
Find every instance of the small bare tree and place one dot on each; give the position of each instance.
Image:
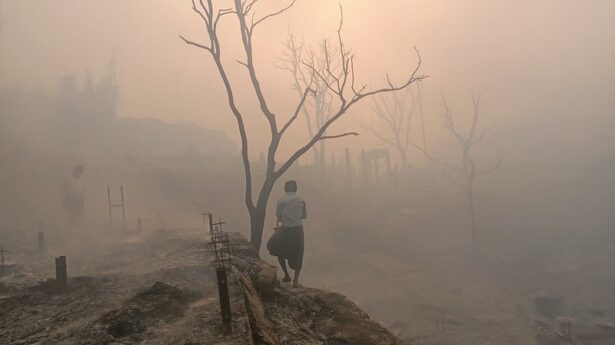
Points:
(468, 171)
(390, 123)
(340, 81)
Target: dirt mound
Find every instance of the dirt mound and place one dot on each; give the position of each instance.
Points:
(300, 316)
(304, 316)
(147, 295)
(159, 303)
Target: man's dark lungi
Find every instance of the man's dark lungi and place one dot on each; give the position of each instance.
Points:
(287, 243)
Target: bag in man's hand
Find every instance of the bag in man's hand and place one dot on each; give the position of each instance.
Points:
(275, 243)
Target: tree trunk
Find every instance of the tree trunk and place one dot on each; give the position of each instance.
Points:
(402, 158)
(321, 166)
(472, 208)
(257, 224)
(259, 213)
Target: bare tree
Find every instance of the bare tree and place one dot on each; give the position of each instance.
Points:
(340, 81)
(419, 102)
(468, 171)
(318, 105)
(390, 123)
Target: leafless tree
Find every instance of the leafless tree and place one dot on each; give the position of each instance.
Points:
(392, 115)
(340, 81)
(468, 172)
(318, 105)
(419, 102)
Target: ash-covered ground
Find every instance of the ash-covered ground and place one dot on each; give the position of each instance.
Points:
(160, 288)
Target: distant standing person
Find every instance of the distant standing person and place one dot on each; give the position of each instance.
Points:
(72, 196)
(288, 241)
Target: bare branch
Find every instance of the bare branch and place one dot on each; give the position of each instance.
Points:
(322, 78)
(413, 78)
(475, 117)
(324, 137)
(483, 133)
(299, 107)
(204, 16)
(374, 132)
(450, 123)
(246, 35)
(254, 24)
(198, 45)
(494, 168)
(222, 13)
(437, 161)
(246, 6)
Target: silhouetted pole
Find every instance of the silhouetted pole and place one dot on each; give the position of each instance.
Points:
(363, 165)
(123, 208)
(2, 251)
(121, 204)
(348, 169)
(210, 218)
(222, 251)
(110, 206)
(225, 302)
(376, 162)
(61, 275)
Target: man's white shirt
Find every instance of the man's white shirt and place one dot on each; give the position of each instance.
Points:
(290, 210)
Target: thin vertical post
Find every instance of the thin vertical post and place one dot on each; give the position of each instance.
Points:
(348, 169)
(376, 162)
(211, 223)
(123, 207)
(61, 275)
(363, 164)
(225, 302)
(2, 251)
(110, 212)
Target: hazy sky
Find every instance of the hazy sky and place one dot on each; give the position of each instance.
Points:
(543, 63)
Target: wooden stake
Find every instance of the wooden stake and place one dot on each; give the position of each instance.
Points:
(2, 251)
(61, 274)
(225, 302)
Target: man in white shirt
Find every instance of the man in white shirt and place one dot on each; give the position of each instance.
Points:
(290, 212)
